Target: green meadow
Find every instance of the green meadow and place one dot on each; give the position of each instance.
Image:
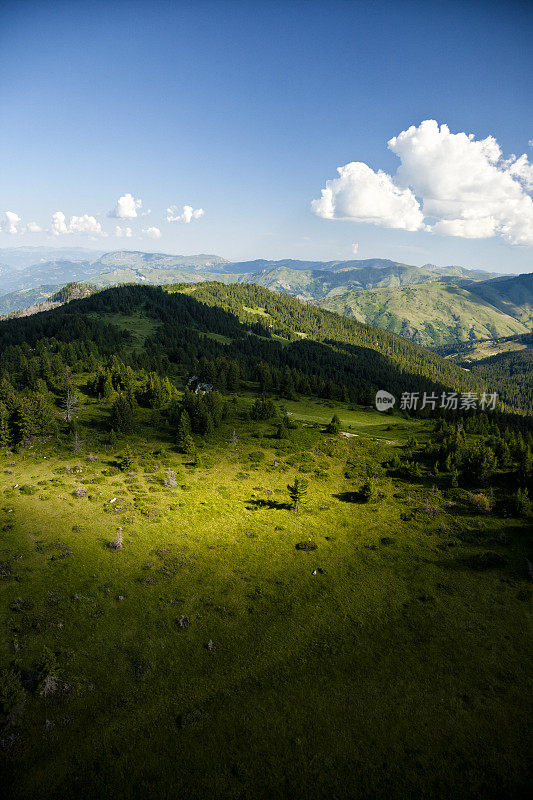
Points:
(237, 648)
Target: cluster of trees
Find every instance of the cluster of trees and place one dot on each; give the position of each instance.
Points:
(204, 412)
(287, 349)
(498, 447)
(25, 416)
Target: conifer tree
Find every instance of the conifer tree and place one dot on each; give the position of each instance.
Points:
(126, 461)
(189, 448)
(282, 431)
(335, 425)
(4, 426)
(122, 415)
(297, 491)
(184, 431)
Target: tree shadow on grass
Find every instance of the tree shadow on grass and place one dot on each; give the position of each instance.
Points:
(273, 505)
(350, 497)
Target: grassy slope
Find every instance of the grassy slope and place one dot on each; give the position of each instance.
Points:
(491, 347)
(510, 295)
(16, 301)
(434, 313)
(152, 275)
(396, 673)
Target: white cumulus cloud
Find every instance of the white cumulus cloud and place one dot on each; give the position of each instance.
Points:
(127, 232)
(85, 224)
(33, 227)
(10, 222)
(188, 213)
(59, 225)
(447, 183)
(126, 208)
(153, 232)
(363, 195)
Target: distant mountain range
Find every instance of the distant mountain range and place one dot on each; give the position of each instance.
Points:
(431, 305)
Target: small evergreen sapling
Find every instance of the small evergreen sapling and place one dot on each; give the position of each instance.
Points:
(184, 432)
(189, 448)
(335, 425)
(297, 492)
(126, 461)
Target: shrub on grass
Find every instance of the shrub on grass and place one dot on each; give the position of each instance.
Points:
(282, 431)
(369, 492)
(263, 409)
(481, 503)
(46, 670)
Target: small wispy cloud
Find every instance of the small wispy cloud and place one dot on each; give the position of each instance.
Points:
(152, 233)
(125, 232)
(187, 215)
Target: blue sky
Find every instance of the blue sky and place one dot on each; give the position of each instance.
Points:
(244, 110)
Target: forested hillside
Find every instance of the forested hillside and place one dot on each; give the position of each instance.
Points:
(248, 325)
(433, 306)
(512, 373)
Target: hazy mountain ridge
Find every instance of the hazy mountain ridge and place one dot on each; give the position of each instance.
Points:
(24, 298)
(46, 301)
(139, 259)
(26, 270)
(431, 305)
(27, 267)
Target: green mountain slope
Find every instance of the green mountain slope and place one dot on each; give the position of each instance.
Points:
(436, 313)
(251, 325)
(513, 296)
(374, 357)
(320, 285)
(434, 306)
(156, 276)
